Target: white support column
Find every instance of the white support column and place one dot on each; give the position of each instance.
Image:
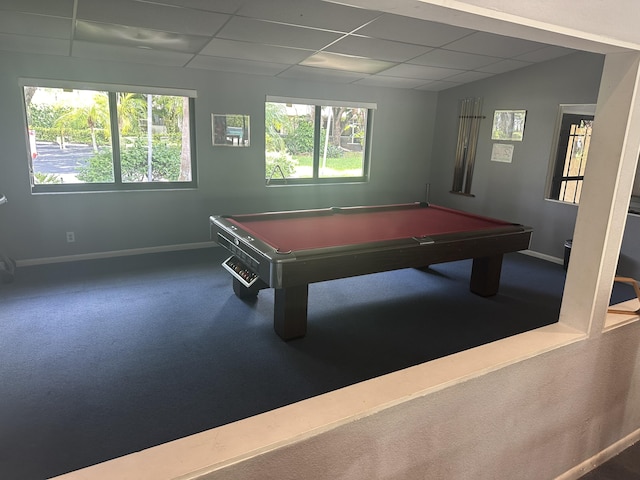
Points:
(602, 214)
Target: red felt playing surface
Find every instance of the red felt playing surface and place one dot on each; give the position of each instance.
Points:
(301, 231)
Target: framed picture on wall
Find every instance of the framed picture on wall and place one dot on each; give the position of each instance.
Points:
(230, 130)
(508, 125)
(502, 152)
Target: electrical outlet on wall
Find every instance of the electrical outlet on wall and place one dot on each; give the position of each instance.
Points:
(71, 237)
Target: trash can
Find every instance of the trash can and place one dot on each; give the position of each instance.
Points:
(567, 252)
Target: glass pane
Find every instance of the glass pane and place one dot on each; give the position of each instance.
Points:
(289, 142)
(154, 138)
(576, 160)
(584, 144)
(231, 130)
(69, 135)
(342, 143)
(570, 191)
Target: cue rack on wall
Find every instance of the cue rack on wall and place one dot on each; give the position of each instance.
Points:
(468, 128)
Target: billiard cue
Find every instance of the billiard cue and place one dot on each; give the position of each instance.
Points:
(461, 146)
(473, 142)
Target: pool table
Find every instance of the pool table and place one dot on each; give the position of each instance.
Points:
(289, 250)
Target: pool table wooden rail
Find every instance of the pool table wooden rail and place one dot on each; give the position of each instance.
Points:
(280, 270)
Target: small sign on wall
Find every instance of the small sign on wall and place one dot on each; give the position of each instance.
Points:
(502, 152)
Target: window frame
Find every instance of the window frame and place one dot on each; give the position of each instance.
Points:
(555, 165)
(117, 184)
(315, 179)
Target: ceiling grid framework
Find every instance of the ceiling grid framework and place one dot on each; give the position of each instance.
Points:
(302, 39)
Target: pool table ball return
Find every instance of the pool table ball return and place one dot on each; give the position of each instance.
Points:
(289, 250)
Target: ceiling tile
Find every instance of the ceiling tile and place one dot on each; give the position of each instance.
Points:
(320, 75)
(138, 37)
(450, 59)
(220, 6)
(310, 13)
(237, 66)
(412, 30)
(545, 53)
(27, 44)
(38, 25)
(376, 48)
(394, 82)
(419, 71)
(338, 61)
(96, 51)
(483, 43)
(438, 86)
(58, 8)
(467, 77)
(219, 47)
(276, 34)
(503, 66)
(153, 16)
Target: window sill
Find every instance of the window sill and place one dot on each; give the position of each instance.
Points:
(161, 187)
(615, 320)
(634, 212)
(310, 182)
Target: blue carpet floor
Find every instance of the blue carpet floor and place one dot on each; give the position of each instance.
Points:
(102, 358)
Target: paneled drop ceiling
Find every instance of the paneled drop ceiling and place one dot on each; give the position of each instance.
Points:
(302, 39)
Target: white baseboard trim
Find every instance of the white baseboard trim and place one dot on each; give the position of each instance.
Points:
(548, 258)
(600, 457)
(113, 253)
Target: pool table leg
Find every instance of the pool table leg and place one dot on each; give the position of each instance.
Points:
(246, 292)
(485, 275)
(290, 311)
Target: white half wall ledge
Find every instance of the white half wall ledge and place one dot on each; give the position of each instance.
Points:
(200, 455)
(615, 320)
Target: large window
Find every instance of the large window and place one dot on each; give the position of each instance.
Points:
(309, 141)
(106, 138)
(569, 158)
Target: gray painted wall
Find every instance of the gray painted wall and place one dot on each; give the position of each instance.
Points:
(404, 158)
(231, 180)
(516, 191)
